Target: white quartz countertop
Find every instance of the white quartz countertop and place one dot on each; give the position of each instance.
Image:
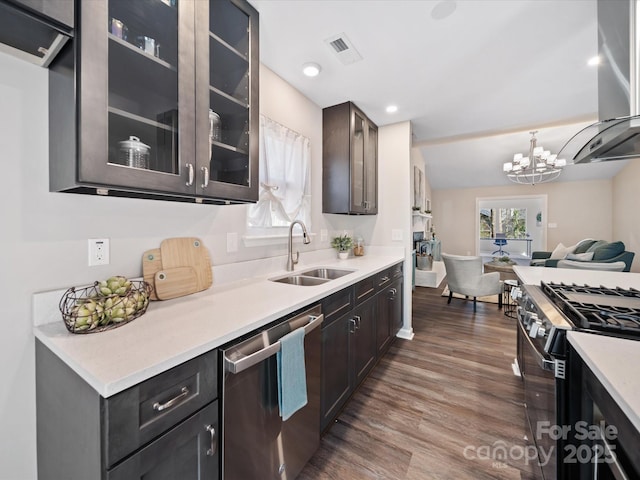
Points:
(534, 275)
(605, 356)
(174, 331)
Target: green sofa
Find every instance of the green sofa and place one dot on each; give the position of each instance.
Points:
(603, 252)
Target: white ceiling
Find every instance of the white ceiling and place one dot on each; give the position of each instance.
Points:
(473, 84)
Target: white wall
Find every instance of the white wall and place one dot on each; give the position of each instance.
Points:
(578, 210)
(44, 235)
(626, 214)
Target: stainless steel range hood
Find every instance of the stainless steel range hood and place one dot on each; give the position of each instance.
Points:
(617, 135)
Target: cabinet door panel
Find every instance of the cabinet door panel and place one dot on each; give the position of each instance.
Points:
(336, 385)
(371, 170)
(396, 307)
(358, 148)
(364, 340)
(383, 320)
(135, 76)
(227, 99)
(189, 450)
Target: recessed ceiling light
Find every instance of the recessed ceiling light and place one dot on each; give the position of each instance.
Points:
(311, 69)
(392, 109)
(593, 61)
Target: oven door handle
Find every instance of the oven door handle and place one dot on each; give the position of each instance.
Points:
(544, 363)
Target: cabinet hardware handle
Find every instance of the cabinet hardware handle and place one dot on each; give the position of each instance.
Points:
(170, 403)
(212, 431)
(357, 318)
(352, 325)
(385, 279)
(191, 174)
(205, 177)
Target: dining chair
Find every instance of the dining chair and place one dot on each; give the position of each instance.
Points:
(465, 276)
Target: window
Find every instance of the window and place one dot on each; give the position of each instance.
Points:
(285, 183)
(510, 221)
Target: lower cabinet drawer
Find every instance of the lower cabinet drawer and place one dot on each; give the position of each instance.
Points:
(136, 416)
(336, 305)
(188, 451)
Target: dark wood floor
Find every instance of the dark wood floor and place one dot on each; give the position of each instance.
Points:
(436, 407)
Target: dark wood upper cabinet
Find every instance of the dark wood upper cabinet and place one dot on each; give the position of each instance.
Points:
(35, 30)
(133, 98)
(349, 161)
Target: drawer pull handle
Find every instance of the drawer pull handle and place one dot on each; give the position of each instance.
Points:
(212, 431)
(352, 325)
(170, 403)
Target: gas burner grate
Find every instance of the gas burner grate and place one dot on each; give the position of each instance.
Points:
(608, 310)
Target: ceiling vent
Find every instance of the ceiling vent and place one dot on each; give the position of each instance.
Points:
(343, 49)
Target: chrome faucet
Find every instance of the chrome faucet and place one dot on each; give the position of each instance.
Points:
(305, 239)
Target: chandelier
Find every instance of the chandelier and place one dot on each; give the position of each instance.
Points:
(539, 167)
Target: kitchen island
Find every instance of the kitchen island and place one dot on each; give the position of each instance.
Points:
(599, 359)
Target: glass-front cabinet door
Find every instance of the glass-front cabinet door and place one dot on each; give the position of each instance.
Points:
(137, 94)
(227, 99)
(371, 170)
(358, 146)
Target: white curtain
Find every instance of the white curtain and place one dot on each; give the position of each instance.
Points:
(285, 187)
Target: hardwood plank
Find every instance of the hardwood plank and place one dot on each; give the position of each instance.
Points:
(431, 403)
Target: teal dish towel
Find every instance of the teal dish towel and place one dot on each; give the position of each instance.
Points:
(292, 376)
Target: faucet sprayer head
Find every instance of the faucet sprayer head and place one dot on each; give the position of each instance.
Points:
(305, 238)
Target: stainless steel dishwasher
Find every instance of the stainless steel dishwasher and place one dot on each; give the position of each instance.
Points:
(256, 443)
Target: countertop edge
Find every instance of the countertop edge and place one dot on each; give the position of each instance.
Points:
(57, 339)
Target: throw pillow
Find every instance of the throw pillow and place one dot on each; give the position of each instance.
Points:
(583, 257)
(561, 251)
(583, 245)
(596, 245)
(608, 250)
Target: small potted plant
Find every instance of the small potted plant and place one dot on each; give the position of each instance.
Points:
(342, 243)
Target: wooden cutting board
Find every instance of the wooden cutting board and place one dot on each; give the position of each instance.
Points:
(151, 264)
(175, 282)
(188, 252)
(177, 253)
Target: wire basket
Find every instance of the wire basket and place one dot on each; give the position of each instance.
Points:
(89, 310)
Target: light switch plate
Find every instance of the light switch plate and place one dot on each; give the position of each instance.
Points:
(396, 235)
(323, 234)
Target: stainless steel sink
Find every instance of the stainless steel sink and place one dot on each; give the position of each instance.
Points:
(328, 273)
(315, 276)
(300, 280)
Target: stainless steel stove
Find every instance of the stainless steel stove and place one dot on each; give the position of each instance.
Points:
(545, 314)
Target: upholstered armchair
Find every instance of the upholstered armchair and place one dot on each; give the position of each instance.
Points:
(465, 276)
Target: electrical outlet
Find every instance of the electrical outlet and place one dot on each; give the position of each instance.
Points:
(323, 234)
(232, 242)
(98, 251)
(396, 235)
